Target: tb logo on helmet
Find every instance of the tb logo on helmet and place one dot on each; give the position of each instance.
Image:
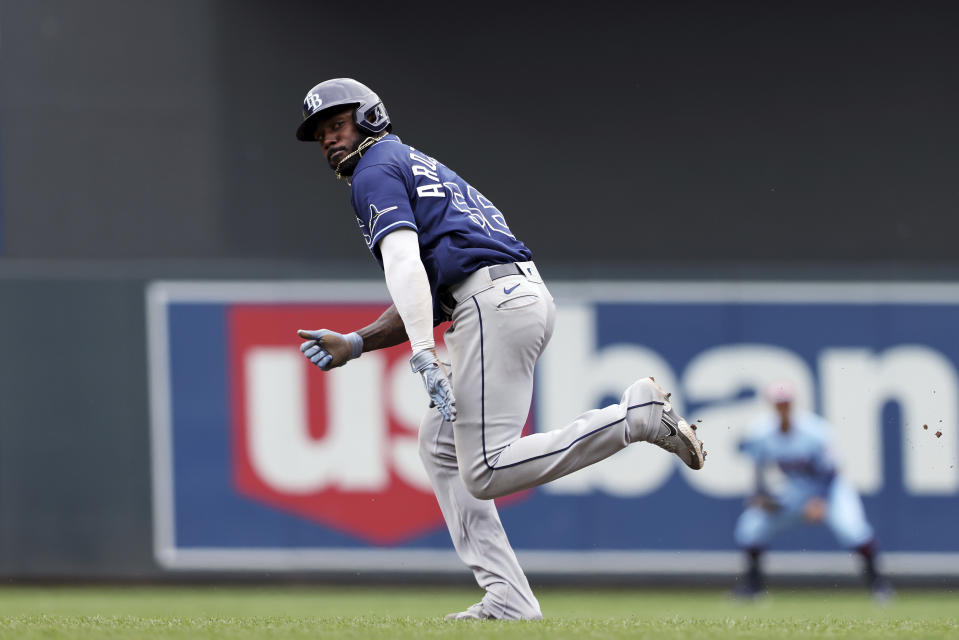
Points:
(312, 102)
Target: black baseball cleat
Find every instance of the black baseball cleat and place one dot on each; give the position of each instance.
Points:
(882, 591)
(749, 586)
(678, 436)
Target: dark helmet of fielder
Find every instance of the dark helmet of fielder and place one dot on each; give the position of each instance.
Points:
(371, 116)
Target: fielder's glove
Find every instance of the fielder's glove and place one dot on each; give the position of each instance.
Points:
(815, 509)
(437, 383)
(329, 349)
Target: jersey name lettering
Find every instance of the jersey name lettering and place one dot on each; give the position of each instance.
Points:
(431, 191)
(419, 170)
(428, 170)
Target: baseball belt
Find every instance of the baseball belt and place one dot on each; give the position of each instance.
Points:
(467, 289)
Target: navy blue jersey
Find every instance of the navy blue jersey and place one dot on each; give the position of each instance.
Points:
(394, 186)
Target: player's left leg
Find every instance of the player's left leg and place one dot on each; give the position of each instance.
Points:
(755, 528)
(752, 533)
(846, 518)
(495, 343)
(476, 530)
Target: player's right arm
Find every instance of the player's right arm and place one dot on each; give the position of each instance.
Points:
(380, 198)
(410, 317)
(387, 331)
(381, 203)
(328, 349)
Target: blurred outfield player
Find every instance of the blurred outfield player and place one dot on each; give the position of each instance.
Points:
(797, 442)
(448, 254)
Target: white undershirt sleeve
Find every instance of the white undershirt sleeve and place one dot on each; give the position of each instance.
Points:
(409, 287)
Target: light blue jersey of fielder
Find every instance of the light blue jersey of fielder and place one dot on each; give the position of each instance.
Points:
(395, 186)
(802, 455)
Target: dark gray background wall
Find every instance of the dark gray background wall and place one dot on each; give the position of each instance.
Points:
(106, 119)
(610, 133)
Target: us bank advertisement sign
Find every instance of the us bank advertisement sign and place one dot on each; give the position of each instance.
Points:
(263, 462)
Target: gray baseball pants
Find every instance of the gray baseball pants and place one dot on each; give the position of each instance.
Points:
(500, 328)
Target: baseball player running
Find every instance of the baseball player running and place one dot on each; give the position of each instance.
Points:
(814, 492)
(448, 254)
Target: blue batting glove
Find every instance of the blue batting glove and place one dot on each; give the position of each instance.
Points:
(329, 349)
(436, 381)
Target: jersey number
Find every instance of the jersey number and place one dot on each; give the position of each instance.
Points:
(478, 209)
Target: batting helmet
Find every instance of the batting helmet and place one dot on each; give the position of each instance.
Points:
(371, 115)
(780, 391)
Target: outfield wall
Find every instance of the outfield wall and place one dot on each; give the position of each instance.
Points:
(171, 429)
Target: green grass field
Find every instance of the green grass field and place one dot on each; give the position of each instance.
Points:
(416, 612)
